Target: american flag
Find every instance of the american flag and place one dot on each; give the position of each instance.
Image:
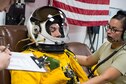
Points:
(84, 12)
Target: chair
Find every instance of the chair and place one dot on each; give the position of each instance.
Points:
(12, 34)
(80, 49)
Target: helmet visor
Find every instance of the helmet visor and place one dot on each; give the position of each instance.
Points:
(55, 26)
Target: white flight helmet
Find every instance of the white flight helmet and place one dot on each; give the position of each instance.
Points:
(39, 22)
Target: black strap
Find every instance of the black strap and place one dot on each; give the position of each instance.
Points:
(107, 58)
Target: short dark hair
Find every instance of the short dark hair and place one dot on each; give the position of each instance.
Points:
(121, 15)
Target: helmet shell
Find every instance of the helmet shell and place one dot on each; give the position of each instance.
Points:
(39, 22)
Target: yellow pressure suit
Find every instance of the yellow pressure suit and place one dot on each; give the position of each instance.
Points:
(68, 71)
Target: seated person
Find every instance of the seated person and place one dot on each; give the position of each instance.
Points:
(47, 29)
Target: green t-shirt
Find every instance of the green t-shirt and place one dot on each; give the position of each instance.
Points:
(118, 61)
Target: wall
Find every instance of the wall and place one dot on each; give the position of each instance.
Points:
(2, 18)
(118, 4)
(30, 7)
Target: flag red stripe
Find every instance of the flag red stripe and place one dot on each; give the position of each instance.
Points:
(79, 10)
(101, 9)
(95, 1)
(86, 23)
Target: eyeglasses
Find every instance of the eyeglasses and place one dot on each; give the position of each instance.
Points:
(112, 29)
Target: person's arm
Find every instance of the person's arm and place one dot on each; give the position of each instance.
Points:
(4, 57)
(86, 60)
(109, 75)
